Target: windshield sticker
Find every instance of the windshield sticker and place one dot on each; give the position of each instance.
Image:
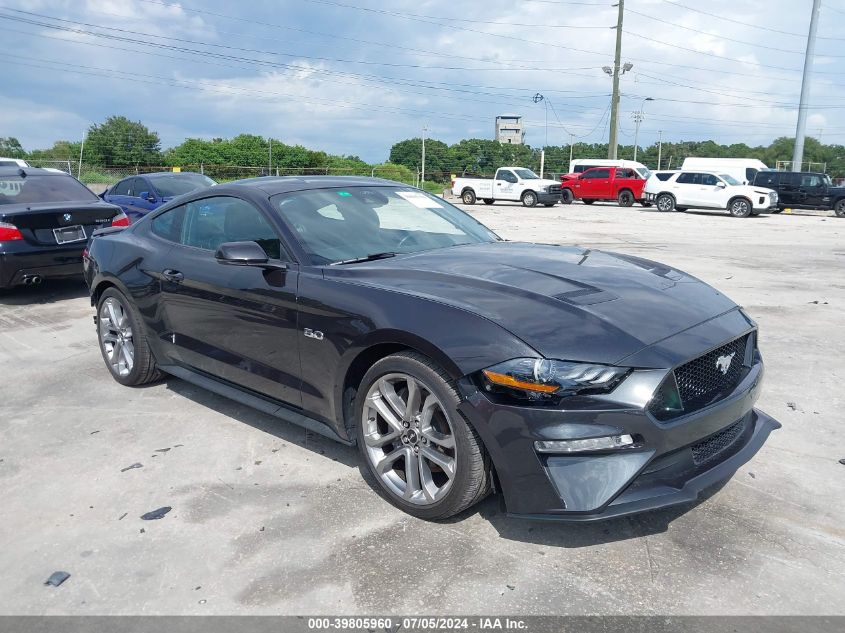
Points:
(420, 200)
(345, 194)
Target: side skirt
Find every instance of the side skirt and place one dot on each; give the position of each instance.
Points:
(266, 405)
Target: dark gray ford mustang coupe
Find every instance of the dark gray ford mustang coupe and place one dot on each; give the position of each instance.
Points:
(580, 384)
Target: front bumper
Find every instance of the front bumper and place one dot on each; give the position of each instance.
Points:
(545, 197)
(672, 463)
(19, 260)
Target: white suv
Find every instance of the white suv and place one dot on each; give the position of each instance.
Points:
(684, 189)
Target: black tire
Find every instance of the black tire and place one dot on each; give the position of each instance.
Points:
(839, 208)
(529, 199)
(144, 369)
(566, 196)
(588, 201)
(468, 197)
(489, 201)
(625, 198)
(665, 202)
(472, 480)
(740, 207)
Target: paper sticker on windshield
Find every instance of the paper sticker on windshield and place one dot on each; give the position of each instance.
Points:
(344, 193)
(420, 200)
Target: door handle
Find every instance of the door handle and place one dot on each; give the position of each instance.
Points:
(172, 275)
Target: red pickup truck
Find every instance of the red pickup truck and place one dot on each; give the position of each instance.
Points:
(618, 184)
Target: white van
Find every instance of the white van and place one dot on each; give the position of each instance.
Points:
(742, 169)
(580, 165)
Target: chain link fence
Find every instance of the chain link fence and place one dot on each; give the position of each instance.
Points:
(98, 177)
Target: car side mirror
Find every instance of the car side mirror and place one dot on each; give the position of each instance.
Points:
(721, 185)
(245, 254)
(146, 195)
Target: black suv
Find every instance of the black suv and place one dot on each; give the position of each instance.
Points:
(803, 190)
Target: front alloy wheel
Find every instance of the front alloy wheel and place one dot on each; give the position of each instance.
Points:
(410, 442)
(665, 202)
(740, 208)
(839, 208)
(424, 456)
(529, 199)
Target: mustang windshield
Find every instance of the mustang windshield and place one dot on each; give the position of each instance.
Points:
(338, 225)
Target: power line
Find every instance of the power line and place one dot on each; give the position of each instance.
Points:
(418, 16)
(749, 24)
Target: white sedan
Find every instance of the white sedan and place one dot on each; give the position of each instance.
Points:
(681, 190)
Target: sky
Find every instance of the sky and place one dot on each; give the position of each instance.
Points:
(353, 77)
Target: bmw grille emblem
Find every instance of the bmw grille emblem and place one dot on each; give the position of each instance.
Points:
(67, 217)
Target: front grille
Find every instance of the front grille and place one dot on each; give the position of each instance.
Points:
(714, 445)
(554, 188)
(701, 381)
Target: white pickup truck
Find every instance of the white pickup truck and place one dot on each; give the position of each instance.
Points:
(510, 183)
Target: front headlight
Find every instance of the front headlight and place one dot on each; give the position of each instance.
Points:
(542, 379)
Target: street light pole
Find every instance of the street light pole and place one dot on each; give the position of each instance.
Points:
(422, 173)
(571, 139)
(638, 118)
(801, 127)
(659, 147)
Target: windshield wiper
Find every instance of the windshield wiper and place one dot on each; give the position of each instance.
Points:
(366, 258)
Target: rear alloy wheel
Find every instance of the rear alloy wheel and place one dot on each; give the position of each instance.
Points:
(529, 199)
(625, 198)
(839, 208)
(468, 197)
(740, 208)
(122, 341)
(488, 201)
(665, 202)
(566, 196)
(423, 454)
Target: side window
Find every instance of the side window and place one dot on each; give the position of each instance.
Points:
(750, 172)
(810, 181)
(168, 225)
(663, 177)
(122, 188)
(686, 178)
(766, 179)
(601, 173)
(212, 221)
(624, 173)
(709, 179)
(508, 176)
(139, 185)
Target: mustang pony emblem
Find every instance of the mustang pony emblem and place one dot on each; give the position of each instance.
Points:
(723, 363)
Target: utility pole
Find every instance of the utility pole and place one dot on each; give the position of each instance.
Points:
(659, 147)
(81, 149)
(801, 127)
(614, 100)
(422, 173)
(571, 139)
(270, 165)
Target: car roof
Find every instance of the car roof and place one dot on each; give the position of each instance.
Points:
(161, 174)
(31, 171)
(272, 185)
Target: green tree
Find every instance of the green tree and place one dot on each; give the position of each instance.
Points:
(119, 142)
(10, 147)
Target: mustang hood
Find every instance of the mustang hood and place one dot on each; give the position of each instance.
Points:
(565, 302)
